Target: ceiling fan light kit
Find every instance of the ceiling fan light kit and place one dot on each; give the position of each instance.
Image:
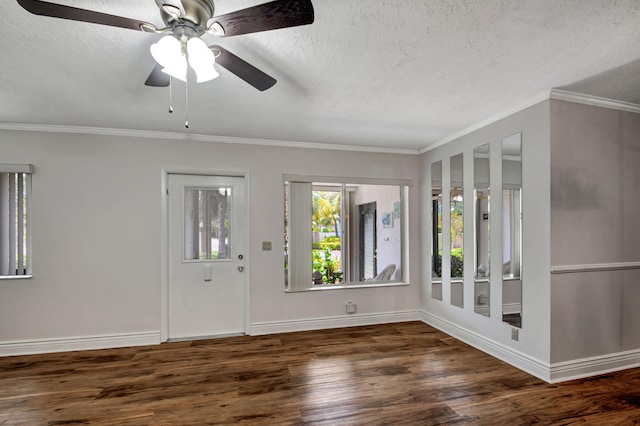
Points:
(168, 53)
(186, 22)
(201, 59)
(172, 54)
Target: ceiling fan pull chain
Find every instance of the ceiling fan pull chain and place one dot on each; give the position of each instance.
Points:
(186, 103)
(170, 95)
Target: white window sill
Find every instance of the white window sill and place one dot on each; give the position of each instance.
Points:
(15, 277)
(363, 284)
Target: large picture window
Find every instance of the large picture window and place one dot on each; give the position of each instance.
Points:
(340, 233)
(15, 237)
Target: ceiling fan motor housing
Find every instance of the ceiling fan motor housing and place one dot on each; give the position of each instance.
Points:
(197, 12)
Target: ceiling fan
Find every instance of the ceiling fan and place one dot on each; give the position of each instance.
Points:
(186, 22)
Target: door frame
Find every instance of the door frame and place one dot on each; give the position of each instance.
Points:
(164, 242)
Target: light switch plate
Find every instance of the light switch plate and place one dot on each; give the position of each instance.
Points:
(266, 246)
(207, 272)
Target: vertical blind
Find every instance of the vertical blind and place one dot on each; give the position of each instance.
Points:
(15, 187)
(300, 238)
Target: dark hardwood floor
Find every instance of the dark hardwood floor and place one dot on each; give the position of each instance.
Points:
(407, 373)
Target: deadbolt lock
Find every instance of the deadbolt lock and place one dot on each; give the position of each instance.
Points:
(240, 257)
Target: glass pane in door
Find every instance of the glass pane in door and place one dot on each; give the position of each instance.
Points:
(207, 212)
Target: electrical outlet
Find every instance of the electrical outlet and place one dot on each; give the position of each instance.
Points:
(351, 308)
(514, 334)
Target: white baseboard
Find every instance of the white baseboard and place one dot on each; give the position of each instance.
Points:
(274, 327)
(593, 366)
(29, 347)
(519, 360)
(554, 373)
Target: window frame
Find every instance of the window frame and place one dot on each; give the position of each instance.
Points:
(348, 247)
(26, 211)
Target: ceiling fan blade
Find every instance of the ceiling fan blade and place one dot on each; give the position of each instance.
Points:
(243, 69)
(267, 16)
(54, 10)
(157, 78)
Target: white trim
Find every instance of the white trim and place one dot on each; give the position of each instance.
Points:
(540, 97)
(509, 355)
(586, 367)
(350, 286)
(274, 327)
(16, 168)
(29, 347)
(164, 255)
(594, 267)
(347, 180)
(164, 241)
(148, 134)
(15, 277)
(511, 308)
(579, 98)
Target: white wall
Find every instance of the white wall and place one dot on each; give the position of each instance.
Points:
(532, 351)
(595, 205)
(97, 233)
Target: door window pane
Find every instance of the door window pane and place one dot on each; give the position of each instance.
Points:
(207, 212)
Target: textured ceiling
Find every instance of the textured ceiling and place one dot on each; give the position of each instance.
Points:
(396, 74)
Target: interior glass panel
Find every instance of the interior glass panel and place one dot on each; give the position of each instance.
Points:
(436, 230)
(207, 213)
(512, 230)
(482, 228)
(340, 234)
(457, 230)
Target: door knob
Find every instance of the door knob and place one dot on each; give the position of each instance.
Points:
(240, 268)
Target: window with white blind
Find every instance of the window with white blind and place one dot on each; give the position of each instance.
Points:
(341, 232)
(15, 236)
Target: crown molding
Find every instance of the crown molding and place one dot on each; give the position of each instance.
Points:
(540, 97)
(176, 136)
(579, 98)
(556, 94)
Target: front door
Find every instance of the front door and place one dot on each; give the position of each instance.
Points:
(207, 225)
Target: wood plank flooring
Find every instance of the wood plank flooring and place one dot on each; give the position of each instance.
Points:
(406, 373)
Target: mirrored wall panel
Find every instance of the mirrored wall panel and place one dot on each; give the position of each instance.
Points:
(436, 230)
(512, 230)
(457, 231)
(482, 212)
